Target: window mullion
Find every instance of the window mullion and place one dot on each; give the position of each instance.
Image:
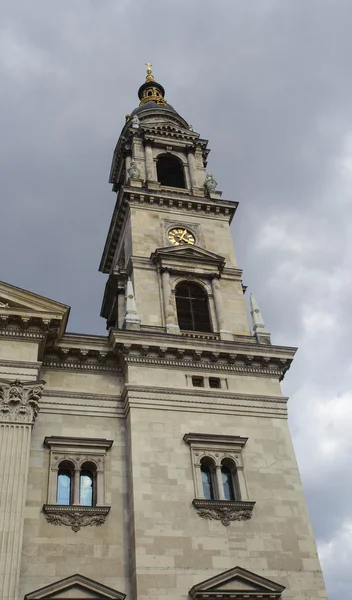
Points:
(76, 485)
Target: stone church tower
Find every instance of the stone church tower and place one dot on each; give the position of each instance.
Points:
(153, 462)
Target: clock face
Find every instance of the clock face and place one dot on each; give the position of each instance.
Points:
(178, 236)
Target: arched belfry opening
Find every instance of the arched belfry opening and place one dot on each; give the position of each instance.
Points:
(192, 307)
(170, 171)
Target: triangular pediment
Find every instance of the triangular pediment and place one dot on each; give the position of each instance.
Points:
(17, 301)
(235, 584)
(195, 254)
(76, 587)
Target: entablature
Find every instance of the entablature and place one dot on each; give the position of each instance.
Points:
(246, 357)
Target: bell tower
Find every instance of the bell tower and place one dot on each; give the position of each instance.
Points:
(170, 224)
(215, 501)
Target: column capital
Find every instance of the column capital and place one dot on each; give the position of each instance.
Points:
(19, 400)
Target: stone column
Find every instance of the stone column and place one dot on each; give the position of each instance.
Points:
(192, 169)
(169, 304)
(219, 308)
(19, 405)
(76, 485)
(149, 165)
(219, 483)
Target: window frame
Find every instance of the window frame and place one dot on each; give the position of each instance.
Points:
(218, 448)
(78, 452)
(191, 302)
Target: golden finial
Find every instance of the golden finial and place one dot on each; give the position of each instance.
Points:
(149, 76)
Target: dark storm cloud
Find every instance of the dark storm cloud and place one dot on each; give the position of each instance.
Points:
(268, 83)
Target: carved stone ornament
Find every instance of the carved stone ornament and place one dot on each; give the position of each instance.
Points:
(224, 510)
(76, 516)
(135, 122)
(19, 401)
(133, 170)
(210, 183)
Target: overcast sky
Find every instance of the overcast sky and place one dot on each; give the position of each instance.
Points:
(268, 82)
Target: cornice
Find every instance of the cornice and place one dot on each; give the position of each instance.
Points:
(79, 365)
(82, 353)
(211, 394)
(172, 351)
(59, 442)
(216, 405)
(79, 395)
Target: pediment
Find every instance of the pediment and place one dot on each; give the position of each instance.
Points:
(176, 255)
(20, 302)
(236, 583)
(76, 587)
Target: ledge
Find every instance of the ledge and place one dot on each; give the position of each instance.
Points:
(76, 516)
(224, 510)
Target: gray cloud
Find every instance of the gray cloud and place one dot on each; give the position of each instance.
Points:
(268, 83)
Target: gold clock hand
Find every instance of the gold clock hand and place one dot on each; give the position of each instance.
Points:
(182, 236)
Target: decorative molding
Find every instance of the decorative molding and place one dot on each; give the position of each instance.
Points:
(274, 373)
(58, 443)
(76, 586)
(210, 393)
(76, 516)
(224, 510)
(81, 360)
(79, 396)
(236, 584)
(219, 440)
(19, 401)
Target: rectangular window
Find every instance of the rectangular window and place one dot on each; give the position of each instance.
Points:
(198, 381)
(214, 382)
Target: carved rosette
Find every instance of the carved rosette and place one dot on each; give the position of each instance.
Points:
(76, 516)
(19, 401)
(224, 510)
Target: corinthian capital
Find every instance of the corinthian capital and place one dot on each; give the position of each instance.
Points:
(19, 400)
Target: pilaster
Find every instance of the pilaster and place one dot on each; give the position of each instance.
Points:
(19, 405)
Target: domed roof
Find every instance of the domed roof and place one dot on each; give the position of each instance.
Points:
(152, 100)
(152, 104)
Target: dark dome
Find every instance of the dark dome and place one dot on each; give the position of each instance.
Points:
(149, 84)
(153, 105)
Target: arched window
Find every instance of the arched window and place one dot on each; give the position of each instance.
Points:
(207, 470)
(229, 480)
(170, 171)
(87, 480)
(192, 307)
(65, 483)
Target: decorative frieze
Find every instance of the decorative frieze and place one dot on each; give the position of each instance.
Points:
(224, 510)
(19, 401)
(76, 516)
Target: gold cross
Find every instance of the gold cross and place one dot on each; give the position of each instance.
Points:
(149, 67)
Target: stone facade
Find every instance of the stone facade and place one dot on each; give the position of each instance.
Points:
(145, 404)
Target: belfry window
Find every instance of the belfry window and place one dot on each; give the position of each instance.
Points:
(192, 307)
(170, 171)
